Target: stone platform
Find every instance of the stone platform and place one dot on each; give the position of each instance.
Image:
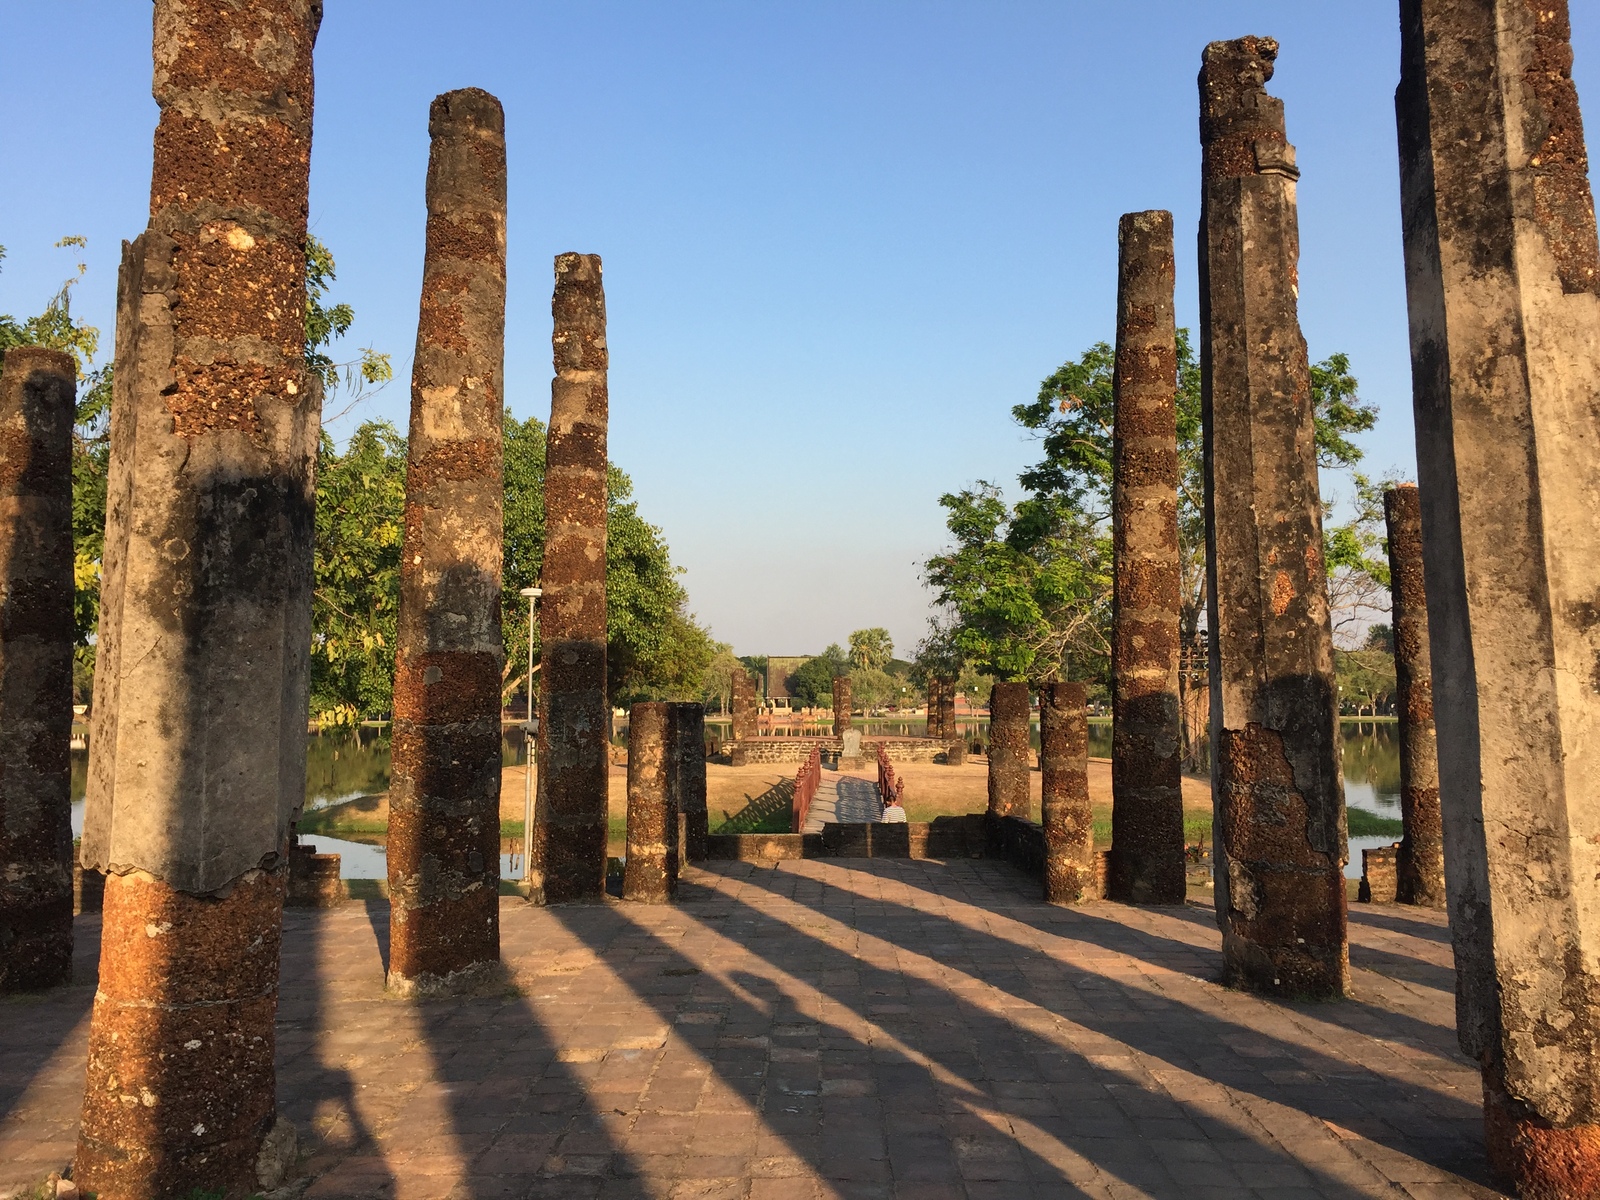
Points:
(836, 1028)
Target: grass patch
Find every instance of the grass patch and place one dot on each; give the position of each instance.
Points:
(1365, 824)
(770, 812)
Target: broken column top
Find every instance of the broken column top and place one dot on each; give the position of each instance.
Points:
(466, 109)
(1241, 127)
(579, 308)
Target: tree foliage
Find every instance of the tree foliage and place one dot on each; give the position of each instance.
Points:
(871, 647)
(655, 649)
(1025, 591)
(360, 523)
(812, 683)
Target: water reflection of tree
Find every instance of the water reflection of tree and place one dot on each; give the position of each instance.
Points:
(1372, 756)
(343, 763)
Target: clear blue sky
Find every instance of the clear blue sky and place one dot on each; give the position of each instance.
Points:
(841, 240)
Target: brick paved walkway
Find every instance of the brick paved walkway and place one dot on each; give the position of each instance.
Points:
(839, 1028)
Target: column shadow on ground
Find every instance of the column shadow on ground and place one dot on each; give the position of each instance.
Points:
(319, 1099)
(859, 801)
(1335, 1096)
(35, 1026)
(972, 1045)
(1397, 922)
(523, 1122)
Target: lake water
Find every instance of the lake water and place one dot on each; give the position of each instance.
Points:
(343, 765)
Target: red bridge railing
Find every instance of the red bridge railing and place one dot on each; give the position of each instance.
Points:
(806, 780)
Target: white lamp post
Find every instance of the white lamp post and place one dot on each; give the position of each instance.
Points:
(531, 732)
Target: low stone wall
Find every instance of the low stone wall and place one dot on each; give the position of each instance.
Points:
(762, 847)
(790, 749)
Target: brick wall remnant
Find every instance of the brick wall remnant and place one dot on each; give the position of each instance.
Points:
(1069, 857)
(444, 796)
(686, 733)
(1009, 722)
(1420, 863)
(38, 389)
(1148, 863)
(569, 842)
(650, 872)
(1280, 829)
(1503, 285)
(842, 719)
(205, 616)
(1378, 875)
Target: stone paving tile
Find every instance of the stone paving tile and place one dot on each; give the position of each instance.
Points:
(839, 1029)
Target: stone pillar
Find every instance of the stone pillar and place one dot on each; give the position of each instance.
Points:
(742, 702)
(205, 617)
(935, 728)
(1009, 720)
(1419, 865)
(650, 873)
(1279, 831)
(569, 832)
(37, 393)
(686, 731)
(1069, 858)
(841, 705)
(1148, 865)
(1503, 282)
(947, 711)
(444, 793)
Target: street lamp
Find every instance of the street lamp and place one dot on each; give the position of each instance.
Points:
(530, 729)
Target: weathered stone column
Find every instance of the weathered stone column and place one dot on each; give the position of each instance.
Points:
(742, 703)
(1069, 869)
(1009, 721)
(198, 741)
(444, 793)
(841, 705)
(1420, 862)
(1279, 831)
(947, 711)
(935, 728)
(569, 832)
(686, 733)
(650, 873)
(37, 393)
(1503, 281)
(1147, 855)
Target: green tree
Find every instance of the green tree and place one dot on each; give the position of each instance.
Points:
(356, 568)
(1029, 586)
(718, 687)
(812, 683)
(1366, 680)
(871, 648)
(362, 377)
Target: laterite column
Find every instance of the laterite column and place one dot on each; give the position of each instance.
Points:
(935, 728)
(1148, 863)
(742, 703)
(1419, 866)
(841, 705)
(650, 873)
(444, 792)
(1503, 283)
(1069, 871)
(38, 391)
(1279, 796)
(1009, 720)
(686, 734)
(569, 833)
(197, 750)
